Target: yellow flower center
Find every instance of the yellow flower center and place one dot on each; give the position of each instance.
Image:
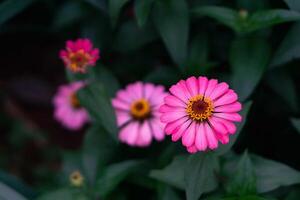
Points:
(199, 108)
(140, 109)
(76, 179)
(74, 101)
(79, 60)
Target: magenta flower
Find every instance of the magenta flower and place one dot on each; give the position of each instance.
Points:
(201, 112)
(67, 107)
(79, 55)
(137, 113)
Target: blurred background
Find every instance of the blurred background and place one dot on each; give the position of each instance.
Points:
(151, 40)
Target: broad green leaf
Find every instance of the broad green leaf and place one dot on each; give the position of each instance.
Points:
(63, 194)
(199, 175)
(296, 123)
(114, 7)
(245, 198)
(113, 175)
(244, 181)
(247, 71)
(169, 194)
(17, 184)
(226, 16)
(289, 49)
(293, 4)
(72, 161)
(163, 75)
(142, 10)
(172, 174)
(294, 195)
(280, 80)
(10, 8)
(126, 38)
(7, 193)
(97, 150)
(270, 174)
(171, 19)
(252, 5)
(243, 22)
(244, 113)
(100, 4)
(95, 99)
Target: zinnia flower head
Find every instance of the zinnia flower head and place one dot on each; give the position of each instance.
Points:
(68, 110)
(201, 112)
(79, 54)
(137, 113)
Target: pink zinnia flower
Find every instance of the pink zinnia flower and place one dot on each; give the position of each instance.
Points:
(137, 113)
(68, 110)
(201, 112)
(79, 55)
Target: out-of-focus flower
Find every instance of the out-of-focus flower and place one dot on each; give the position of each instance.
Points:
(137, 113)
(67, 107)
(79, 54)
(76, 179)
(201, 112)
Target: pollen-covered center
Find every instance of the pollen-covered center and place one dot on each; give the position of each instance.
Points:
(74, 101)
(79, 59)
(199, 108)
(140, 109)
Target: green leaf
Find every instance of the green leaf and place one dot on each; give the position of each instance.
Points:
(289, 49)
(222, 149)
(247, 71)
(163, 75)
(172, 174)
(280, 80)
(199, 175)
(142, 10)
(114, 7)
(65, 194)
(114, 174)
(100, 4)
(294, 195)
(244, 181)
(97, 150)
(10, 8)
(169, 194)
(7, 193)
(293, 4)
(95, 99)
(245, 198)
(296, 123)
(126, 38)
(171, 19)
(243, 22)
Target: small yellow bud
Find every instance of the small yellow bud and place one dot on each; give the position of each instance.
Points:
(76, 179)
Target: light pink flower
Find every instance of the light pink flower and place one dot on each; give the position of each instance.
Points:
(201, 112)
(137, 113)
(67, 108)
(79, 55)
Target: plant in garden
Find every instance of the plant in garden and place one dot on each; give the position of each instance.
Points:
(137, 113)
(201, 112)
(79, 55)
(67, 108)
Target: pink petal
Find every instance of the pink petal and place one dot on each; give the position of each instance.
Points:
(184, 88)
(172, 116)
(176, 135)
(157, 96)
(192, 149)
(129, 133)
(165, 108)
(148, 88)
(231, 128)
(192, 85)
(217, 126)
(229, 116)
(144, 135)
(203, 82)
(137, 88)
(120, 104)
(201, 141)
(157, 129)
(188, 138)
(210, 87)
(177, 91)
(219, 91)
(122, 117)
(227, 98)
(174, 101)
(171, 127)
(123, 96)
(210, 136)
(224, 139)
(229, 108)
